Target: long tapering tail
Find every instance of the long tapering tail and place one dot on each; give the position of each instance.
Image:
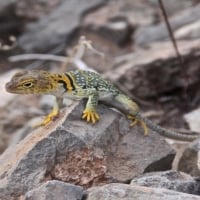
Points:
(165, 132)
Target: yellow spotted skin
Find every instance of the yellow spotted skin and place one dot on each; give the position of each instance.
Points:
(80, 84)
(76, 85)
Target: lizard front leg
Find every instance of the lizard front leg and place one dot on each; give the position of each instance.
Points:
(89, 113)
(54, 113)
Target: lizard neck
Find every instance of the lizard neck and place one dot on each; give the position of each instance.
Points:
(63, 83)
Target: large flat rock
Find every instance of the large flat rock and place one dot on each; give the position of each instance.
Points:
(116, 191)
(54, 29)
(73, 151)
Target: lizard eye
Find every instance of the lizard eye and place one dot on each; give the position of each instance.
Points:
(28, 85)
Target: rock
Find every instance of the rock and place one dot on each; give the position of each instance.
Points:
(135, 12)
(138, 71)
(116, 191)
(4, 140)
(55, 190)
(6, 6)
(55, 29)
(116, 21)
(193, 120)
(190, 31)
(171, 180)
(27, 9)
(10, 23)
(179, 147)
(146, 35)
(118, 31)
(190, 160)
(73, 151)
(139, 13)
(33, 10)
(172, 7)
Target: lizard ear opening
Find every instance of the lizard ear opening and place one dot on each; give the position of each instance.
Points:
(27, 84)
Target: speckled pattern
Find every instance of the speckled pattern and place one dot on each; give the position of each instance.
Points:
(89, 80)
(80, 84)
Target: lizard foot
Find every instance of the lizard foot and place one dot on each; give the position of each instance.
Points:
(90, 116)
(47, 119)
(135, 121)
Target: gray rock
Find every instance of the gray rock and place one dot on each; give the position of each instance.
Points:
(138, 70)
(36, 9)
(6, 6)
(188, 32)
(53, 190)
(172, 180)
(118, 31)
(149, 34)
(116, 191)
(190, 160)
(10, 23)
(116, 21)
(54, 29)
(172, 7)
(71, 150)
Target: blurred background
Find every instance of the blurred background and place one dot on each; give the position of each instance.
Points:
(132, 34)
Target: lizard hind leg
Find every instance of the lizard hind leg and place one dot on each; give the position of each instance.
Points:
(130, 108)
(136, 121)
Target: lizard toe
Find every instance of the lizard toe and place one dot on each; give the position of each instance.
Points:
(47, 119)
(135, 121)
(90, 116)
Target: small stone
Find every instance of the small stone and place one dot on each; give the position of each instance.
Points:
(55, 190)
(116, 191)
(190, 160)
(172, 180)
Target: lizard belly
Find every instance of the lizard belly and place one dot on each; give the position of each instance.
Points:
(105, 96)
(72, 96)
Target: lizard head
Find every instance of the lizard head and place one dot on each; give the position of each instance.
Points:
(32, 82)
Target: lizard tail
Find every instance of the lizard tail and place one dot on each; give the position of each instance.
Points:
(166, 133)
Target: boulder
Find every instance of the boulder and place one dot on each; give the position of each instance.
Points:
(70, 150)
(145, 35)
(190, 160)
(55, 29)
(116, 191)
(55, 190)
(172, 180)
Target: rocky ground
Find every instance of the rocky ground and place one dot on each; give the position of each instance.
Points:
(70, 159)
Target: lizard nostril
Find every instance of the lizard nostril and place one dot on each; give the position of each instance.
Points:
(8, 86)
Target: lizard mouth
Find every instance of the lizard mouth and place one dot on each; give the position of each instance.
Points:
(12, 89)
(8, 87)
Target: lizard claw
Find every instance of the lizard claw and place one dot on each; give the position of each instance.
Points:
(135, 121)
(47, 119)
(90, 116)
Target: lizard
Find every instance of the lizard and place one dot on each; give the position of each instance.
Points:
(79, 84)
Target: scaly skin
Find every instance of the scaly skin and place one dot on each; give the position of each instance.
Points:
(80, 84)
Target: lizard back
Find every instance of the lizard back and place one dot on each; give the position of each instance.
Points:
(87, 80)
